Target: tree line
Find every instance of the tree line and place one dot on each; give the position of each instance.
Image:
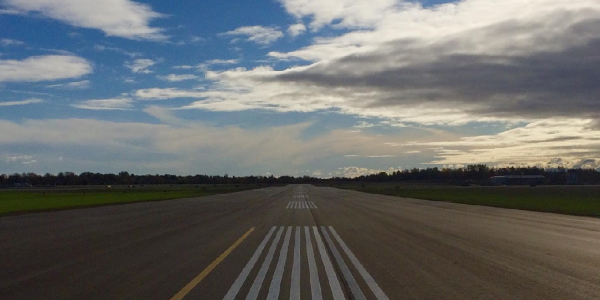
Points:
(478, 174)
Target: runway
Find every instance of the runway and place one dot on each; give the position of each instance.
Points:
(298, 242)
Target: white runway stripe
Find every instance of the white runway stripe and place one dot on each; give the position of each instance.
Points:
(235, 288)
(354, 288)
(258, 281)
(315, 285)
(289, 204)
(363, 272)
(278, 275)
(295, 286)
(334, 283)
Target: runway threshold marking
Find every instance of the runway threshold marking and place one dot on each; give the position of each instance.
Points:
(188, 287)
(322, 246)
(301, 205)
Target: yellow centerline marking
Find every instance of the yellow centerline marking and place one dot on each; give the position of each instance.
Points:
(186, 289)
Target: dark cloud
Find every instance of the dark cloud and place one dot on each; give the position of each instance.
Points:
(554, 72)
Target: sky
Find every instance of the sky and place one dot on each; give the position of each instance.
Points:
(297, 87)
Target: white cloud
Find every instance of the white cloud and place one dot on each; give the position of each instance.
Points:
(450, 64)
(197, 39)
(31, 93)
(364, 124)
(184, 67)
(350, 13)
(541, 143)
(207, 64)
(10, 42)
(122, 103)
(222, 61)
(22, 102)
(44, 68)
(121, 18)
(170, 93)
(353, 172)
(178, 77)
(296, 29)
(23, 159)
(140, 65)
(181, 148)
(10, 12)
(257, 34)
(117, 50)
(76, 85)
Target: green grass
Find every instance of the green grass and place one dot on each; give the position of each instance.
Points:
(13, 201)
(570, 200)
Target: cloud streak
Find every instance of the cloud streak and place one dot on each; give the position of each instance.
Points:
(140, 66)
(22, 102)
(44, 68)
(11, 42)
(121, 103)
(257, 34)
(178, 77)
(75, 85)
(120, 18)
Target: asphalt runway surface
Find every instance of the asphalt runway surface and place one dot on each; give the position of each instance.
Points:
(298, 242)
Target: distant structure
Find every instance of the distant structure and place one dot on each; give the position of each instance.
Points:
(572, 176)
(518, 180)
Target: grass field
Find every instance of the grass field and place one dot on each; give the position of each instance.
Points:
(13, 201)
(571, 200)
